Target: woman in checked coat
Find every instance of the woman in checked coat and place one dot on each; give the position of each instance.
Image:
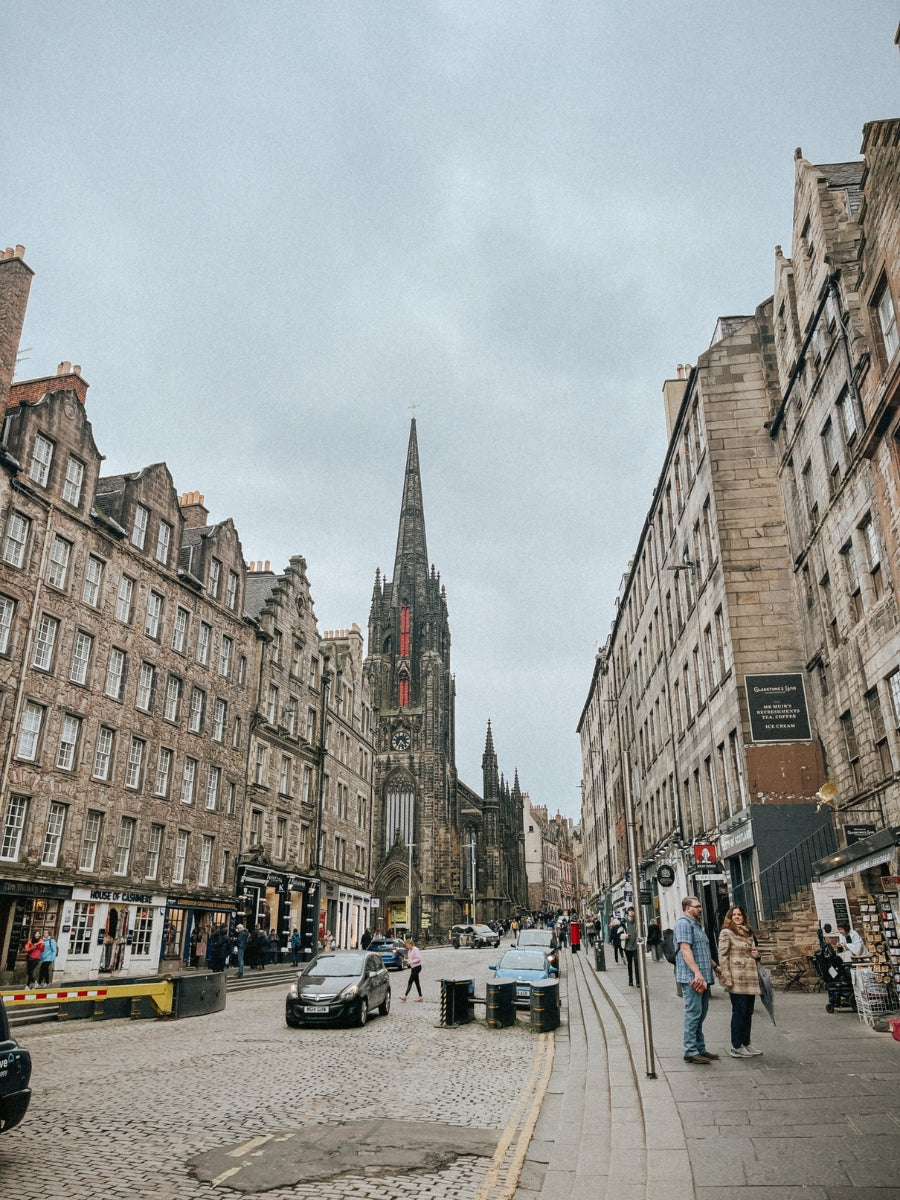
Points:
(738, 972)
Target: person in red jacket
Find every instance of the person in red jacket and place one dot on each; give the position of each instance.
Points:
(34, 948)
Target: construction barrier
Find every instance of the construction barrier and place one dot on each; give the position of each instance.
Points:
(179, 996)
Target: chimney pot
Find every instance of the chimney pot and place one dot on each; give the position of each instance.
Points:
(20, 251)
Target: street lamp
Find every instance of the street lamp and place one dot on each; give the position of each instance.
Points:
(409, 929)
(471, 846)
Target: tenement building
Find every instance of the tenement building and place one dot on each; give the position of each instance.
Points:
(428, 826)
(121, 643)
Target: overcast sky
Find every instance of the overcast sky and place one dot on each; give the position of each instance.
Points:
(265, 230)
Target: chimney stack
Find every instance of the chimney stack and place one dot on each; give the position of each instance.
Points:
(196, 515)
(15, 284)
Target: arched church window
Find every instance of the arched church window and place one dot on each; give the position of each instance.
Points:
(388, 644)
(405, 628)
(403, 689)
(399, 813)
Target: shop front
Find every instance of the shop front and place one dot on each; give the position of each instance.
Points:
(279, 900)
(353, 909)
(25, 908)
(189, 923)
(107, 932)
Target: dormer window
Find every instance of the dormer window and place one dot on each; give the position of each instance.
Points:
(139, 528)
(74, 481)
(41, 458)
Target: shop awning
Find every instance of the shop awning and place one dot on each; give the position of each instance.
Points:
(868, 852)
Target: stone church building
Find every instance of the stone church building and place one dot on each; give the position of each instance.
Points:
(431, 831)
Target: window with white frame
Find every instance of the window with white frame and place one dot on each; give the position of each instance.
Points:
(230, 798)
(198, 704)
(281, 826)
(277, 647)
(16, 539)
(90, 840)
(285, 775)
(139, 528)
(893, 682)
(172, 709)
(93, 580)
(163, 771)
(103, 753)
(181, 852)
(260, 776)
(231, 590)
(142, 932)
(847, 416)
(215, 578)
(44, 642)
(53, 835)
(188, 779)
(154, 848)
(236, 734)
(204, 636)
(41, 458)
(303, 845)
(58, 569)
(13, 828)
(124, 842)
(82, 648)
(220, 713)
(124, 598)
(256, 819)
(872, 545)
(225, 656)
(213, 780)
(154, 614)
(146, 688)
(887, 320)
(179, 629)
(68, 742)
(81, 939)
(272, 705)
(135, 764)
(30, 731)
(879, 732)
(7, 612)
(207, 842)
(163, 542)
(73, 482)
(307, 784)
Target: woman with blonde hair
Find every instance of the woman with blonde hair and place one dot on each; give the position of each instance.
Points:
(738, 972)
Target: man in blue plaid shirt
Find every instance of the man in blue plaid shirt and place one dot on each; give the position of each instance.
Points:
(694, 971)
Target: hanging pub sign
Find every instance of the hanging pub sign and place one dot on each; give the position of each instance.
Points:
(705, 855)
(665, 875)
(777, 706)
(856, 833)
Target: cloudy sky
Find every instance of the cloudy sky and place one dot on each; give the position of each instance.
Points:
(266, 230)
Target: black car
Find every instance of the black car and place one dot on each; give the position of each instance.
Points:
(341, 985)
(15, 1075)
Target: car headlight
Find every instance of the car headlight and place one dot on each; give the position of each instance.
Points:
(349, 992)
(293, 994)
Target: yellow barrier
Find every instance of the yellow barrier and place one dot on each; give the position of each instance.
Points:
(160, 994)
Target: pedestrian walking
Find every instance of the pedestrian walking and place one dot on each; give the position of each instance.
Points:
(34, 948)
(48, 958)
(575, 935)
(694, 971)
(630, 945)
(366, 940)
(738, 972)
(241, 937)
(217, 949)
(654, 940)
(295, 947)
(414, 962)
(613, 936)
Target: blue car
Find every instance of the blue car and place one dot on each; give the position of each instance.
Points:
(525, 967)
(392, 952)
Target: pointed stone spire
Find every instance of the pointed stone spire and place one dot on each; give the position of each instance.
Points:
(489, 767)
(411, 561)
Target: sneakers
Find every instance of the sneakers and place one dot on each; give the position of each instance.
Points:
(699, 1060)
(741, 1052)
(751, 1050)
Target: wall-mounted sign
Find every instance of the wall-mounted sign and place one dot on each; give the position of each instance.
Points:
(856, 833)
(705, 855)
(665, 875)
(777, 705)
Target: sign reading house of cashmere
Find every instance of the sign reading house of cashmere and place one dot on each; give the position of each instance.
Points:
(777, 705)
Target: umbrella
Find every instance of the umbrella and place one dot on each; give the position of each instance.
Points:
(767, 995)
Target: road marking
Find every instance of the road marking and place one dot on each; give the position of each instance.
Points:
(533, 1092)
(251, 1145)
(225, 1175)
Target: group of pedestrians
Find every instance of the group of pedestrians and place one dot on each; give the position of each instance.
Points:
(40, 955)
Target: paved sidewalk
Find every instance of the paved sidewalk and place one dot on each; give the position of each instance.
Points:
(816, 1116)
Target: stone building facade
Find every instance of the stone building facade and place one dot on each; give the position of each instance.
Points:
(425, 820)
(123, 659)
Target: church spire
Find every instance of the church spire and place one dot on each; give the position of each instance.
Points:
(412, 551)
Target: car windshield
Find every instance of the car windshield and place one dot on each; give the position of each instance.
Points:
(535, 937)
(335, 966)
(522, 960)
(383, 944)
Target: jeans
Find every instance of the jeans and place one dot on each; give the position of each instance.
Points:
(741, 1018)
(695, 1008)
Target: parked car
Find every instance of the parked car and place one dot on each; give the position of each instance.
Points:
(474, 935)
(525, 967)
(485, 936)
(392, 951)
(542, 939)
(15, 1076)
(343, 985)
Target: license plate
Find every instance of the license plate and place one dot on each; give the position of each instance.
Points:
(523, 991)
(316, 1008)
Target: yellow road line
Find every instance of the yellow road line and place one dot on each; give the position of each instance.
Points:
(225, 1175)
(515, 1167)
(251, 1145)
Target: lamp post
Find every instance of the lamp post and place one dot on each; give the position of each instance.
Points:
(409, 929)
(471, 846)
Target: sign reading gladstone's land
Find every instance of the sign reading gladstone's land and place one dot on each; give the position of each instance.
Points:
(777, 706)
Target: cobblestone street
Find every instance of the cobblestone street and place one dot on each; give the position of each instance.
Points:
(121, 1107)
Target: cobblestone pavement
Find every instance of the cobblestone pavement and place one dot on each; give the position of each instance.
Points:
(120, 1107)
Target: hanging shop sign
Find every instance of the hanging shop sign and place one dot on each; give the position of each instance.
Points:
(665, 875)
(856, 833)
(777, 706)
(705, 855)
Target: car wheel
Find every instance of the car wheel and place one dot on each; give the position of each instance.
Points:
(385, 1006)
(363, 1014)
